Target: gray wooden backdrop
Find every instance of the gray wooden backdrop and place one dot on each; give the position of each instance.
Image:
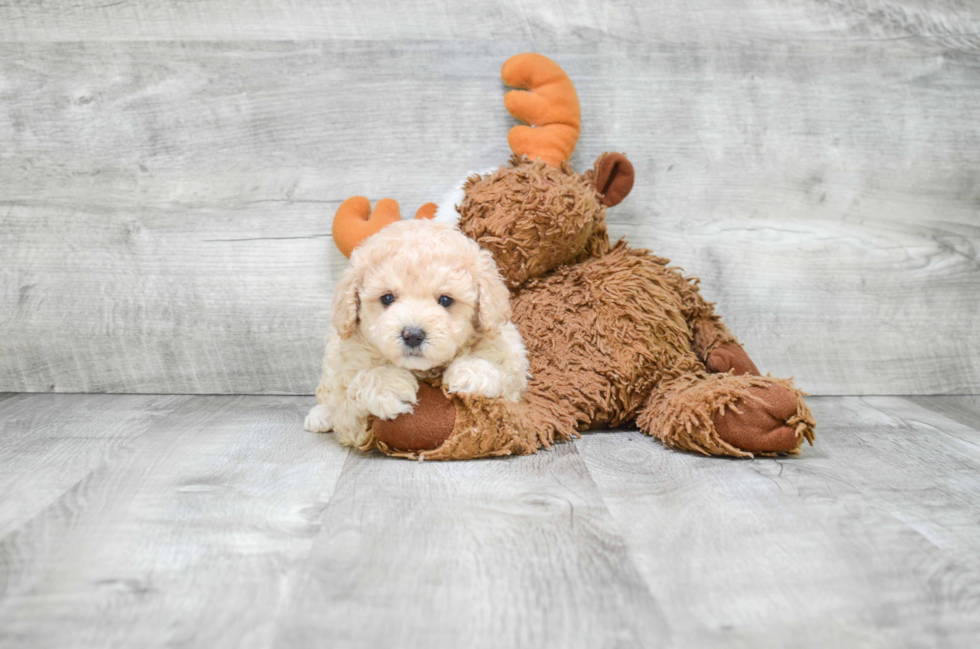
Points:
(169, 171)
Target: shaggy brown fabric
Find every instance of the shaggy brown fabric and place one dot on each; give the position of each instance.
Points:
(683, 413)
(494, 427)
(602, 333)
(511, 213)
(613, 334)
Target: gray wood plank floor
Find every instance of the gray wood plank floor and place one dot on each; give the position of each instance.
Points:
(131, 520)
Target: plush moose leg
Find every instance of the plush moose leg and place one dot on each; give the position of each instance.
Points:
(728, 414)
(454, 427)
(714, 414)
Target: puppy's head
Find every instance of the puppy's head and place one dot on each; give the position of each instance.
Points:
(418, 291)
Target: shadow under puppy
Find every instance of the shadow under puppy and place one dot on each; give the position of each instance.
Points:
(420, 300)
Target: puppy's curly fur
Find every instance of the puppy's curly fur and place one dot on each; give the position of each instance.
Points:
(419, 300)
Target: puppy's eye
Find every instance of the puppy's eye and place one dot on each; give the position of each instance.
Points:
(445, 301)
(387, 299)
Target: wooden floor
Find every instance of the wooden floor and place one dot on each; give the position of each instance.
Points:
(135, 520)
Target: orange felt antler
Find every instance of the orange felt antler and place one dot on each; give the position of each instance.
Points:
(548, 103)
(427, 211)
(355, 221)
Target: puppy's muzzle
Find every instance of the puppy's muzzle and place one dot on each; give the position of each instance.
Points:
(413, 337)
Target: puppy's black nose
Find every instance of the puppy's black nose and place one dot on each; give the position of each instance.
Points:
(412, 336)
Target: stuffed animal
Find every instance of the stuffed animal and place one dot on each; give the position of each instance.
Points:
(614, 335)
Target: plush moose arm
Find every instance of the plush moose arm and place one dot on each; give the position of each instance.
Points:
(713, 342)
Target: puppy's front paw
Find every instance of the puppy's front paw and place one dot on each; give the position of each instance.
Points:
(385, 392)
(473, 376)
(318, 421)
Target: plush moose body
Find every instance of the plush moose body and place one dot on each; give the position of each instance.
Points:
(614, 335)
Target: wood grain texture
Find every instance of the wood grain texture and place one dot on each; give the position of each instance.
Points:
(165, 206)
(187, 536)
(218, 522)
(949, 22)
(512, 553)
(50, 442)
(965, 410)
(866, 539)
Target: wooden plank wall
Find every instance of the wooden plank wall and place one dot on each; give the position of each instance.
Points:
(169, 170)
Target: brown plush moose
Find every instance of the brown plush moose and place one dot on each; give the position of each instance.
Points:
(614, 335)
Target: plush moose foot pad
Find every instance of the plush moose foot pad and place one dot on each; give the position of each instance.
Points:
(728, 357)
(760, 424)
(425, 428)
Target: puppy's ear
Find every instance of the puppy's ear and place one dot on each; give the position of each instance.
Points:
(493, 310)
(346, 303)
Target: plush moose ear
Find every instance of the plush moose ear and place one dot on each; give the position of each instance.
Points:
(613, 178)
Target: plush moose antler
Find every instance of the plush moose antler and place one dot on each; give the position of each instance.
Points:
(355, 221)
(548, 103)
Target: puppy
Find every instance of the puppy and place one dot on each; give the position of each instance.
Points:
(419, 299)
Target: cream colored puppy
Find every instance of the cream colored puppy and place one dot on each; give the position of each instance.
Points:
(419, 299)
